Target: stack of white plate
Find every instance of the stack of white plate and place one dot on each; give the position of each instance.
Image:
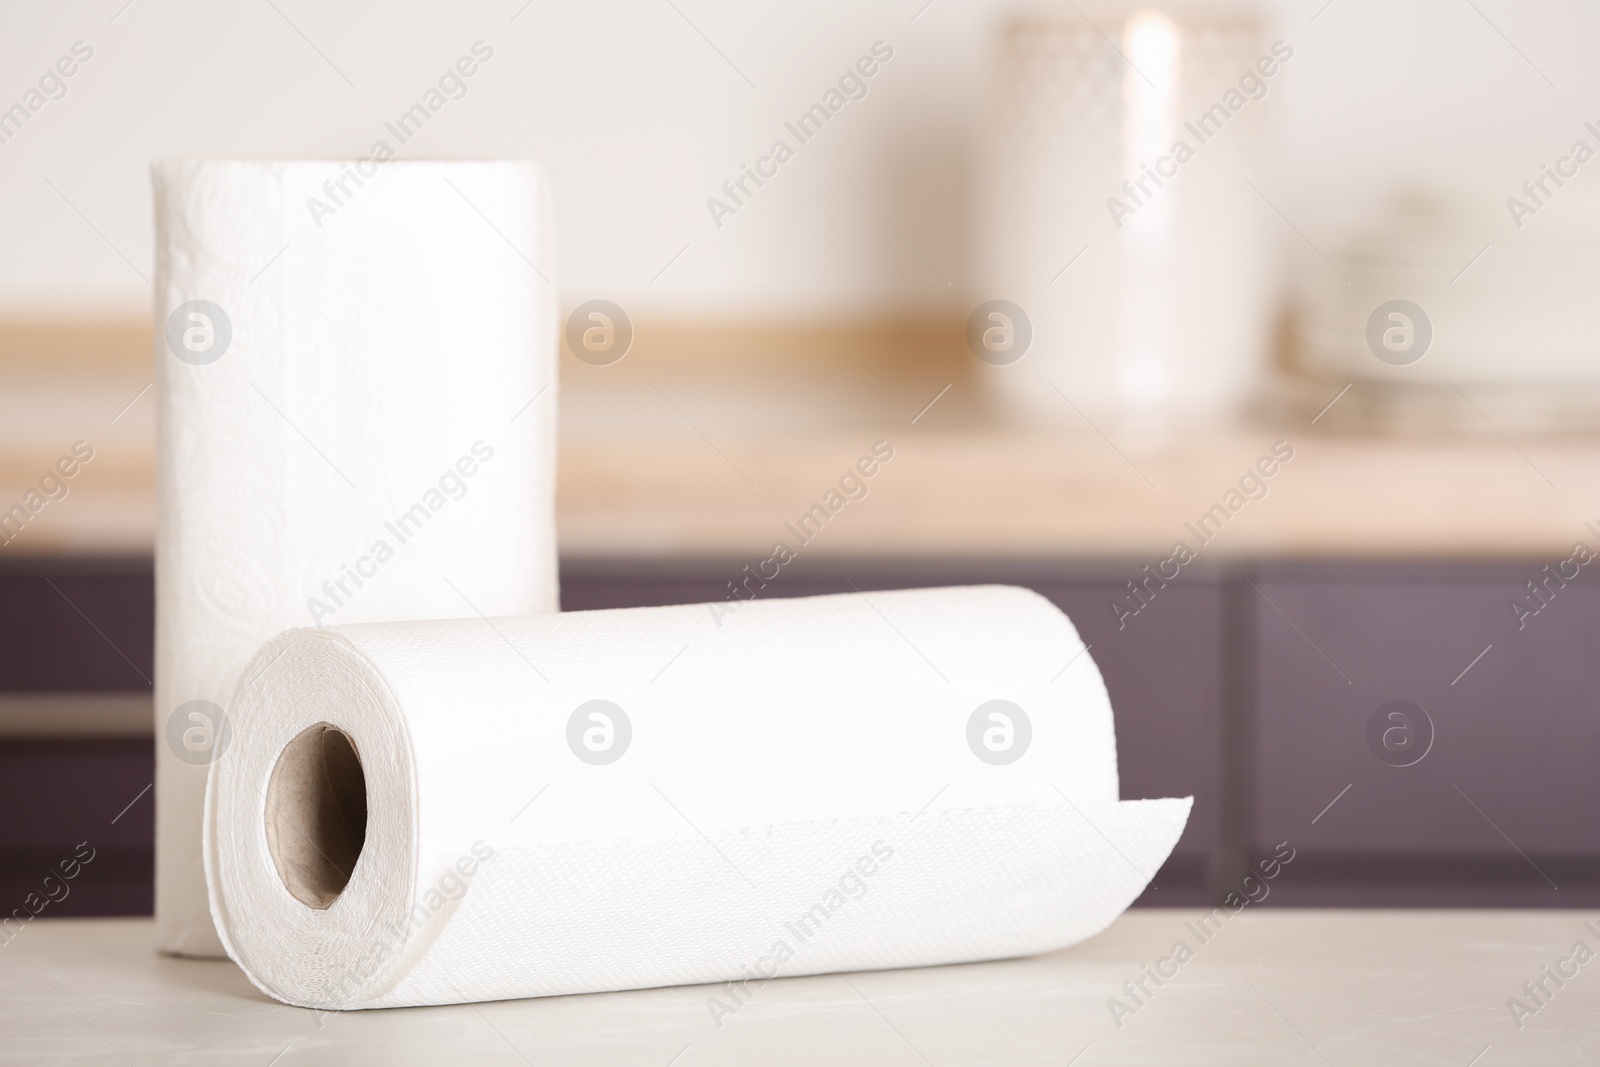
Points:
(1513, 312)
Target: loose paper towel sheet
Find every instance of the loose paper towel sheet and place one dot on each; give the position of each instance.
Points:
(619, 799)
(344, 374)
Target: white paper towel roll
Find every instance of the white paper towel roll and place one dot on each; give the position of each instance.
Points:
(436, 812)
(344, 371)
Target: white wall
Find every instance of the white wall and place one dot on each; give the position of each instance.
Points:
(639, 120)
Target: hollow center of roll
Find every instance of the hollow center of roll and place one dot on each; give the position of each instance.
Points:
(317, 814)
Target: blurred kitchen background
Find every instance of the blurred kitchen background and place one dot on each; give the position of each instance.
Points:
(1156, 340)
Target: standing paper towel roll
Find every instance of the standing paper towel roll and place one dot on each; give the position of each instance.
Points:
(355, 379)
(435, 812)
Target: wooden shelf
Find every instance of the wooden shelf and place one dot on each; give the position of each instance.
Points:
(706, 440)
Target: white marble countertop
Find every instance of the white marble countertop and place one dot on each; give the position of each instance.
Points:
(1271, 987)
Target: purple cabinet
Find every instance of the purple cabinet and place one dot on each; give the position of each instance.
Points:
(1416, 739)
(86, 625)
(1461, 741)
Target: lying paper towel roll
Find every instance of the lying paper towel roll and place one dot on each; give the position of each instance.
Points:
(436, 812)
(355, 384)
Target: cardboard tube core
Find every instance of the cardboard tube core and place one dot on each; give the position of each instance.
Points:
(317, 814)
